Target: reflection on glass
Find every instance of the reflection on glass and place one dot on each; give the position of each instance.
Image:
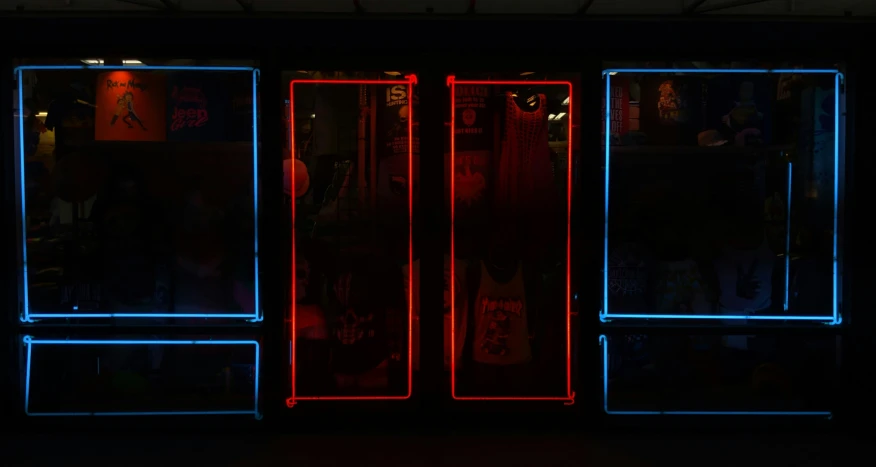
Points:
(352, 186)
(721, 194)
(654, 374)
(154, 376)
(138, 192)
(509, 322)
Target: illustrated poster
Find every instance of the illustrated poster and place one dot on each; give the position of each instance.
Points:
(196, 107)
(130, 107)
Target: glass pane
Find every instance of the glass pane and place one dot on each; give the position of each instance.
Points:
(142, 377)
(722, 192)
(353, 165)
(138, 194)
(730, 373)
(508, 278)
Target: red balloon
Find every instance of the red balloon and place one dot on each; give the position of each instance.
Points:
(302, 178)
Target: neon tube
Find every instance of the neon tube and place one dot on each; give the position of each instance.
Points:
(834, 318)
(603, 341)
(569, 397)
(26, 316)
(292, 400)
(31, 342)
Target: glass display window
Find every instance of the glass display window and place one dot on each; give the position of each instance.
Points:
(137, 181)
(352, 188)
(508, 317)
(155, 375)
(765, 375)
(723, 192)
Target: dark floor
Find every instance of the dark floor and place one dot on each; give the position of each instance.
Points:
(452, 451)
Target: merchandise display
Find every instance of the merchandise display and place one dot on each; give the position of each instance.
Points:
(144, 206)
(509, 166)
(726, 196)
(353, 317)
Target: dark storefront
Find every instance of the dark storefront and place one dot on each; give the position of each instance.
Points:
(636, 223)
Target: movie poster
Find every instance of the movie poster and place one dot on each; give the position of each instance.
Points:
(393, 112)
(474, 142)
(196, 107)
(130, 107)
(619, 107)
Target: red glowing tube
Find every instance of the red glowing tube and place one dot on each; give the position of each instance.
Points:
(569, 398)
(410, 81)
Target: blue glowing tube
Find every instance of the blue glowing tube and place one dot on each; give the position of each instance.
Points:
(603, 341)
(31, 342)
(26, 315)
(834, 318)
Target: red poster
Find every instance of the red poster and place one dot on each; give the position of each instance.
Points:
(130, 107)
(620, 108)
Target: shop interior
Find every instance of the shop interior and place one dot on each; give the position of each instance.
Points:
(722, 203)
(354, 193)
(509, 239)
(138, 194)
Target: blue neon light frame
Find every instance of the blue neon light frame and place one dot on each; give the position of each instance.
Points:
(30, 342)
(835, 318)
(603, 341)
(26, 316)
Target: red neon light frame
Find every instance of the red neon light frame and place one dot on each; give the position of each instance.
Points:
(569, 399)
(410, 81)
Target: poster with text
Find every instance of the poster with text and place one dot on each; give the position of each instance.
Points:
(620, 109)
(393, 112)
(130, 107)
(196, 105)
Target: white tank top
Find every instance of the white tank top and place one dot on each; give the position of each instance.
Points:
(501, 331)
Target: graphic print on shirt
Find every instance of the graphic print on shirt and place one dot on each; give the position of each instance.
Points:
(677, 288)
(627, 273)
(747, 283)
(502, 313)
(469, 185)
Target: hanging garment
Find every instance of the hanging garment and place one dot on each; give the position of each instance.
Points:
(745, 278)
(679, 289)
(501, 329)
(359, 328)
(523, 173)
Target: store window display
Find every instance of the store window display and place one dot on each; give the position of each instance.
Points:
(352, 184)
(139, 191)
(508, 326)
(722, 188)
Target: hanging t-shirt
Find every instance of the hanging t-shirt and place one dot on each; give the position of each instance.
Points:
(393, 115)
(473, 138)
(359, 328)
(501, 328)
(672, 109)
(628, 279)
(130, 107)
(745, 278)
(523, 172)
(679, 289)
(196, 107)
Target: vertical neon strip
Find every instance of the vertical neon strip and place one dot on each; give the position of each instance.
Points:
(293, 286)
(22, 188)
(788, 236)
(256, 377)
(255, 189)
(607, 117)
(411, 140)
(569, 247)
(27, 342)
(450, 82)
(836, 175)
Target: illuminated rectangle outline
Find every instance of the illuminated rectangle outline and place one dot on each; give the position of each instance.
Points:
(836, 317)
(410, 81)
(26, 316)
(603, 342)
(30, 342)
(569, 398)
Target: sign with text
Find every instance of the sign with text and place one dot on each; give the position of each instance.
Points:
(130, 107)
(619, 107)
(195, 108)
